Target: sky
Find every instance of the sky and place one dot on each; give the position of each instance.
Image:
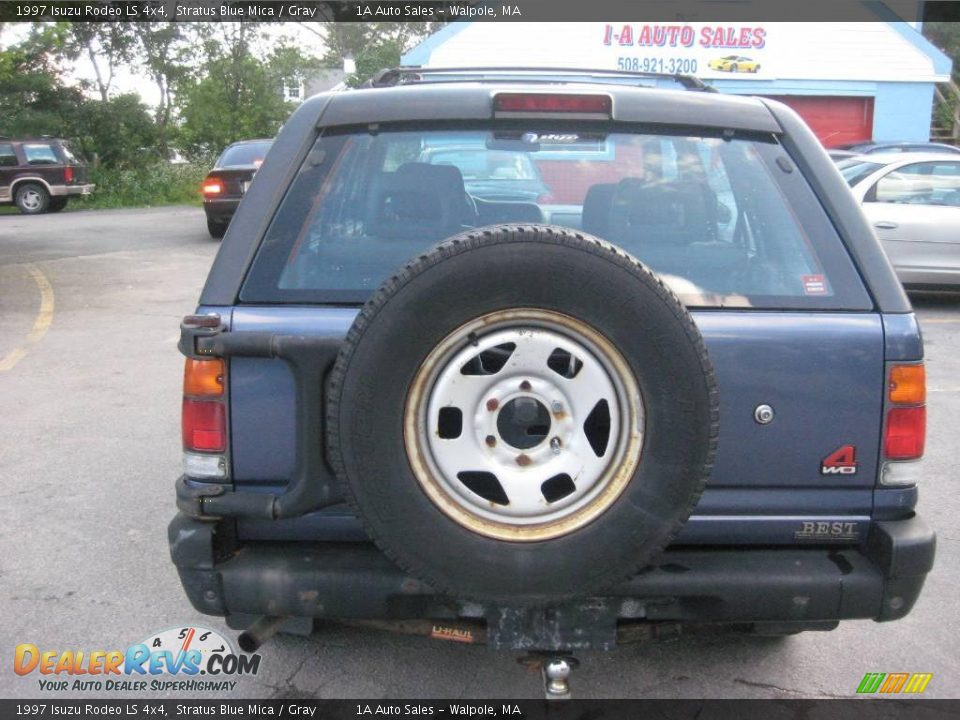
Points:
(131, 80)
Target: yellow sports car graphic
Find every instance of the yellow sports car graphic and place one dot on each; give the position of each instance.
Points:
(735, 63)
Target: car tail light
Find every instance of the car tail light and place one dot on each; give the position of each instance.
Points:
(204, 419)
(553, 103)
(68, 174)
(905, 431)
(212, 186)
(204, 426)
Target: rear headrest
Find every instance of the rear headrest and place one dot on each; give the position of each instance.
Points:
(662, 212)
(420, 200)
(596, 209)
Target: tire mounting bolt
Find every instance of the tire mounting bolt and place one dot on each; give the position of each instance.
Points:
(491, 441)
(556, 406)
(523, 460)
(555, 445)
(492, 404)
(525, 386)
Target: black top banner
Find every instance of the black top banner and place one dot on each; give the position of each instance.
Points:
(471, 10)
(134, 709)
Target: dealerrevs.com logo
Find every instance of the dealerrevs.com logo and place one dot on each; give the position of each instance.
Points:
(190, 659)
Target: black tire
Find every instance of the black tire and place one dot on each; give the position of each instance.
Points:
(32, 198)
(57, 204)
(216, 228)
(496, 268)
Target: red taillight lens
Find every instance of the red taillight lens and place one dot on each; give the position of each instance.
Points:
(552, 103)
(68, 174)
(212, 187)
(204, 426)
(906, 433)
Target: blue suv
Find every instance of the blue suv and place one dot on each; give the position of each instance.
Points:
(682, 386)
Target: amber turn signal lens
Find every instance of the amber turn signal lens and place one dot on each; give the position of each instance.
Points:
(908, 384)
(203, 378)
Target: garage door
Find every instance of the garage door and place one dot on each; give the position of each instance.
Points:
(835, 120)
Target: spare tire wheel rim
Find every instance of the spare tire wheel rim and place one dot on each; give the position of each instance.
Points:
(524, 425)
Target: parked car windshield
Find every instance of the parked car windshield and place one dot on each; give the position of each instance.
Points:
(854, 170)
(251, 153)
(719, 219)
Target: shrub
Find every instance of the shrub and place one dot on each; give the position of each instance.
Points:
(157, 183)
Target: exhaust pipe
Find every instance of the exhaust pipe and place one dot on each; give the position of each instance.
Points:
(257, 634)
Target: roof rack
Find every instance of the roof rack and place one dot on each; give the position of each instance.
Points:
(391, 77)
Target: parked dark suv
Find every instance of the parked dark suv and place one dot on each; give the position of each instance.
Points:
(40, 175)
(687, 390)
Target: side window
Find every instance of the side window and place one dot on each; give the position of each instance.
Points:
(926, 183)
(40, 154)
(8, 158)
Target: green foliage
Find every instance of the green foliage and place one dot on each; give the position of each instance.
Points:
(156, 183)
(119, 132)
(238, 94)
(373, 45)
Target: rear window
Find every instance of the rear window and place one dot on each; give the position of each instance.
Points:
(724, 221)
(246, 154)
(40, 154)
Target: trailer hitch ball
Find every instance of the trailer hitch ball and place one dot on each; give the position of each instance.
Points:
(557, 672)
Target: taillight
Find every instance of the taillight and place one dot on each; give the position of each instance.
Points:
(905, 432)
(212, 186)
(68, 174)
(204, 426)
(553, 103)
(204, 419)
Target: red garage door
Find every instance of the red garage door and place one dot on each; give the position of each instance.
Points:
(835, 120)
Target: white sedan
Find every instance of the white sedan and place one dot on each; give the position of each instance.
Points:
(913, 202)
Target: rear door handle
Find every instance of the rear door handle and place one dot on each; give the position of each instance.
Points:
(885, 225)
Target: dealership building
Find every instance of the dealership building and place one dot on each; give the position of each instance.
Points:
(850, 81)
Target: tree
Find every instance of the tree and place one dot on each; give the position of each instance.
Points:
(373, 45)
(105, 45)
(33, 100)
(119, 132)
(238, 93)
(164, 52)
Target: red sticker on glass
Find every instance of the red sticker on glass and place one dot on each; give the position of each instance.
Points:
(814, 285)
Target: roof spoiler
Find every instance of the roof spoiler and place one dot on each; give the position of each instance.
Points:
(391, 77)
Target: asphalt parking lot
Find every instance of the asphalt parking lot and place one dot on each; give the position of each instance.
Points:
(89, 450)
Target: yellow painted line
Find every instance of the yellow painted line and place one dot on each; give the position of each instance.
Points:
(40, 325)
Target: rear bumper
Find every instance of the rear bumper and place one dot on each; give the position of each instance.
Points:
(221, 210)
(799, 586)
(72, 190)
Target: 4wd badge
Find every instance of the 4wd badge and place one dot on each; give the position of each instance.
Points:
(842, 461)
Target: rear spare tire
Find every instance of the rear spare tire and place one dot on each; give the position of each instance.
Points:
(522, 415)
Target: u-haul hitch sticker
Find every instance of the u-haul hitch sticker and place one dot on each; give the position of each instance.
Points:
(842, 461)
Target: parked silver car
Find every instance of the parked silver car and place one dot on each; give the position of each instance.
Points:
(913, 202)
